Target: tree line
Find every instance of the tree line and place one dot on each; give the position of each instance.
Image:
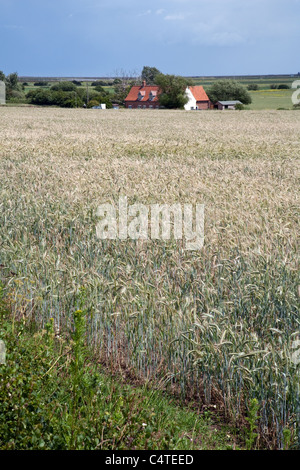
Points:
(72, 94)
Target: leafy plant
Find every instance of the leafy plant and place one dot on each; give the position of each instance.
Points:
(252, 421)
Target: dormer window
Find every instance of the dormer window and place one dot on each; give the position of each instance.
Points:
(152, 95)
(141, 95)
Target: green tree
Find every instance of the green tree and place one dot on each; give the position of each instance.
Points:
(224, 90)
(63, 99)
(64, 86)
(40, 97)
(2, 76)
(172, 91)
(41, 84)
(12, 81)
(252, 87)
(14, 91)
(149, 74)
(101, 90)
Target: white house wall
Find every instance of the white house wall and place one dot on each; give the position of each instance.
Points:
(192, 101)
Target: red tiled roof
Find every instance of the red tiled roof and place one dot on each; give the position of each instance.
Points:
(199, 93)
(133, 95)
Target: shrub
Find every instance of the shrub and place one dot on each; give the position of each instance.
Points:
(41, 84)
(101, 90)
(93, 103)
(102, 83)
(54, 98)
(252, 87)
(64, 86)
(66, 99)
(283, 86)
(239, 106)
(40, 97)
(223, 90)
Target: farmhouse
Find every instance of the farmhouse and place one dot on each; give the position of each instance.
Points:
(222, 105)
(147, 96)
(142, 97)
(198, 99)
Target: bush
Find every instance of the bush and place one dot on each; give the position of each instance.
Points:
(64, 86)
(93, 103)
(101, 90)
(273, 86)
(41, 84)
(54, 98)
(252, 87)
(40, 97)
(224, 90)
(239, 106)
(15, 96)
(66, 99)
(102, 83)
(283, 86)
(76, 82)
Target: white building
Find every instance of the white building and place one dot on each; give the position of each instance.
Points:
(198, 99)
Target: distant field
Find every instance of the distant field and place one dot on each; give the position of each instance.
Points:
(216, 324)
(262, 82)
(271, 99)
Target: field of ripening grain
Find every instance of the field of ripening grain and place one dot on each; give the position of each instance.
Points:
(220, 324)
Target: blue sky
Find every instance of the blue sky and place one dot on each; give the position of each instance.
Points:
(184, 37)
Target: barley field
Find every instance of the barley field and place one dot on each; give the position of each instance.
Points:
(220, 324)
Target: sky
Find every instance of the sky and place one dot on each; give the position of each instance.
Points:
(98, 38)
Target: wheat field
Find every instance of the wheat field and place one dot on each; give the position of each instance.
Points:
(221, 324)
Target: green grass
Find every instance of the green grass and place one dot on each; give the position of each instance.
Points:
(47, 404)
(271, 99)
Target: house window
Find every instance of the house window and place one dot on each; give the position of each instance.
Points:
(139, 106)
(130, 106)
(152, 95)
(150, 106)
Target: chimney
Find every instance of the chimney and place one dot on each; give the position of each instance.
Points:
(144, 83)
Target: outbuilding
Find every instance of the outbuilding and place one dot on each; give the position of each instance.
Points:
(222, 105)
